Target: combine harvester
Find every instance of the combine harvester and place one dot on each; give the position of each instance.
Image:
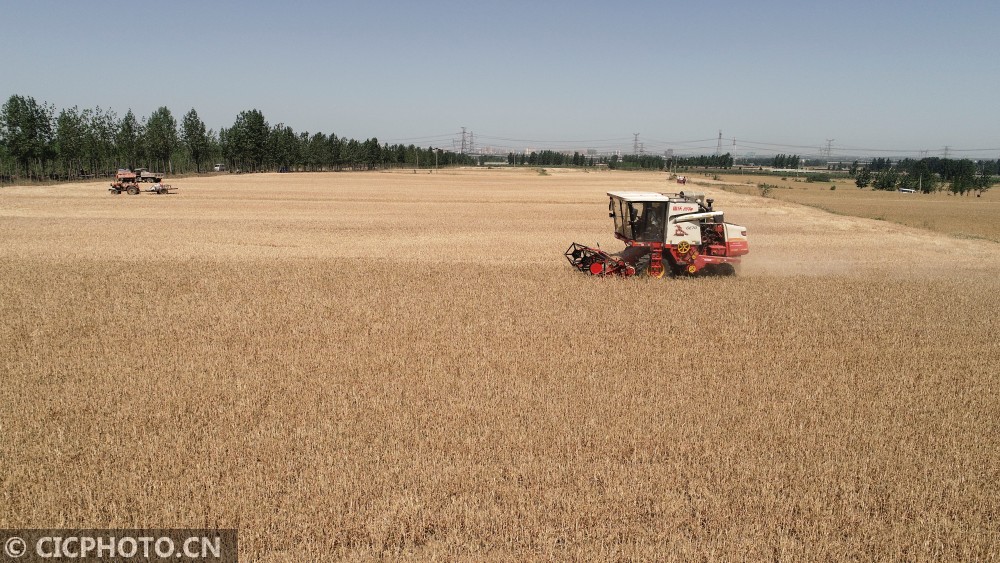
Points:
(676, 232)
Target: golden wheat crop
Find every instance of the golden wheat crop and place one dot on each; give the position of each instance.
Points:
(403, 366)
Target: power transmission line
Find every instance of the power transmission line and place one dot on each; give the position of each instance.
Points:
(464, 141)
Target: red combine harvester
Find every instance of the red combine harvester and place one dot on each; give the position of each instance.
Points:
(679, 233)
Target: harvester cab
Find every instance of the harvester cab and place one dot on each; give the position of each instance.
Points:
(678, 232)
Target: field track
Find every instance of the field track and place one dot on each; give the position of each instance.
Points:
(362, 365)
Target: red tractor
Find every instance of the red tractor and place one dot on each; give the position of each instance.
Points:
(676, 233)
(125, 181)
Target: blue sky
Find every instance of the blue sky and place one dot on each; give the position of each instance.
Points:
(778, 76)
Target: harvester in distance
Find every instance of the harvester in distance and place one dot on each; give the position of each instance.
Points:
(677, 233)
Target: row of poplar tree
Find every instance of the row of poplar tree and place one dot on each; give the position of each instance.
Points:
(38, 142)
(616, 162)
(963, 176)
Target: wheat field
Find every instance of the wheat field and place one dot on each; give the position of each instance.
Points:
(390, 365)
(965, 216)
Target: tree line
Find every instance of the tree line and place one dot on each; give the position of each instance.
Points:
(619, 162)
(553, 158)
(792, 161)
(614, 161)
(927, 175)
(37, 142)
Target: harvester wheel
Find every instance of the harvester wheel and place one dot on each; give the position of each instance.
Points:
(642, 265)
(133, 190)
(656, 270)
(674, 269)
(725, 269)
(683, 247)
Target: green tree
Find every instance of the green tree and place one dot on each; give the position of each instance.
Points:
(247, 140)
(335, 151)
(316, 156)
(373, 154)
(963, 177)
(99, 148)
(863, 178)
(213, 151)
(984, 181)
(70, 139)
(195, 138)
(26, 132)
(283, 146)
(353, 155)
(128, 141)
(918, 176)
(161, 138)
(885, 179)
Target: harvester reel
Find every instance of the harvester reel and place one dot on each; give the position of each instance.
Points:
(596, 262)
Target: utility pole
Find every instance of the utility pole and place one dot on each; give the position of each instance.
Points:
(718, 148)
(463, 140)
(635, 144)
(946, 147)
(472, 143)
(829, 148)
